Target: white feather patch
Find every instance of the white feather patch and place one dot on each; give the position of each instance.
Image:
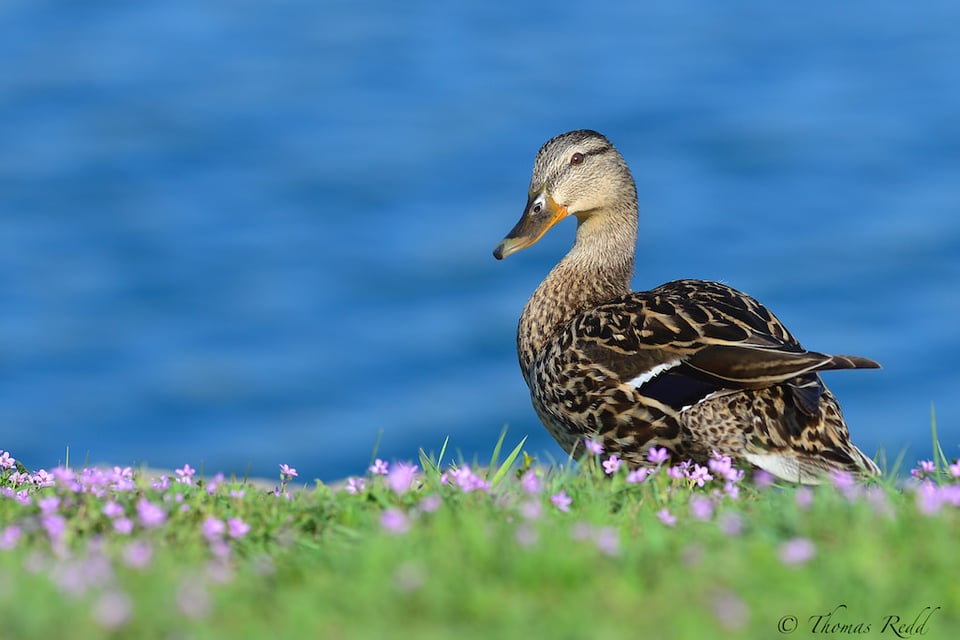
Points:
(781, 466)
(647, 376)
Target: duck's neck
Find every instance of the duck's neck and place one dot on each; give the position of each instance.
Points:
(597, 269)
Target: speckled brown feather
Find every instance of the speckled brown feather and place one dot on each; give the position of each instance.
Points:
(692, 366)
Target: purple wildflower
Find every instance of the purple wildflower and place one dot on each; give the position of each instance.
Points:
(288, 472)
(955, 469)
(430, 503)
(593, 446)
(379, 467)
(924, 469)
(112, 609)
(9, 537)
(42, 478)
(401, 477)
(186, 474)
(611, 465)
(394, 521)
(54, 524)
(842, 480)
(468, 481)
(138, 554)
(162, 483)
(666, 518)
(355, 485)
(237, 528)
(531, 509)
(6, 461)
(700, 475)
(637, 475)
(797, 551)
(607, 541)
(730, 523)
(213, 529)
(48, 505)
(732, 489)
(722, 466)
(676, 472)
(150, 514)
(701, 508)
(803, 498)
(561, 501)
(215, 483)
(763, 478)
(123, 526)
(531, 482)
(112, 510)
(657, 456)
(929, 500)
(237, 493)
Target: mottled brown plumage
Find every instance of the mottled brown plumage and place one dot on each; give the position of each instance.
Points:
(692, 366)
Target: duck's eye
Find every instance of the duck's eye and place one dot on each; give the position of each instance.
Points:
(576, 158)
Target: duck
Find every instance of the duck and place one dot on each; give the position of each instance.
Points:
(694, 367)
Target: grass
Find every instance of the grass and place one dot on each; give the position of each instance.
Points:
(451, 552)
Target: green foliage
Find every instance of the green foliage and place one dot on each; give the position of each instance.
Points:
(480, 554)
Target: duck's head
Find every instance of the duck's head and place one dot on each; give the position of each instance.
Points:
(578, 173)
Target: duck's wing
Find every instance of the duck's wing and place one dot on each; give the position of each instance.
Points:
(688, 339)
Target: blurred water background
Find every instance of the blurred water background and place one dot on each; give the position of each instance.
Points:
(250, 232)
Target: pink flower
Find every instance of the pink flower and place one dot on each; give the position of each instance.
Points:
(394, 521)
(531, 509)
(150, 514)
(762, 478)
(54, 524)
(288, 472)
(401, 477)
(701, 508)
(797, 551)
(430, 503)
(637, 475)
(48, 505)
(611, 465)
(379, 467)
(593, 446)
(123, 526)
(561, 501)
(186, 474)
(138, 554)
(730, 523)
(666, 518)
(162, 483)
(955, 469)
(213, 528)
(355, 485)
(607, 541)
(467, 480)
(530, 482)
(237, 528)
(657, 456)
(6, 461)
(700, 475)
(9, 536)
(112, 510)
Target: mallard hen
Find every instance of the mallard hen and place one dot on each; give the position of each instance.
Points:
(692, 366)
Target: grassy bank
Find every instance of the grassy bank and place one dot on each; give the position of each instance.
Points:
(441, 551)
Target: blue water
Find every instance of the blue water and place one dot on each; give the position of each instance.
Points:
(243, 233)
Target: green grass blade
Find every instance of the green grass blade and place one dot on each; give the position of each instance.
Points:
(505, 467)
(494, 459)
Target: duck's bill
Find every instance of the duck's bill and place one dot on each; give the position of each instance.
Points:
(541, 213)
